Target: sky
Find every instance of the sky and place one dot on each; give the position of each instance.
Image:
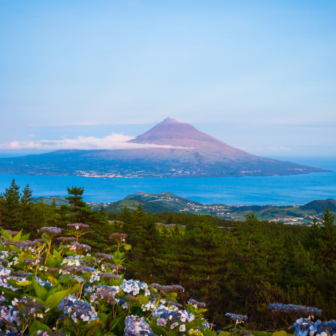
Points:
(258, 75)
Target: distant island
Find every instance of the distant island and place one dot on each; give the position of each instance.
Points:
(292, 214)
(170, 149)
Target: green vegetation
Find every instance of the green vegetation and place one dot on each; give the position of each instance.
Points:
(238, 267)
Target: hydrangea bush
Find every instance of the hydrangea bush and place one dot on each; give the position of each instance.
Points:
(61, 289)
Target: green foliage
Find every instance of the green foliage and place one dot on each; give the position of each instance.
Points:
(238, 267)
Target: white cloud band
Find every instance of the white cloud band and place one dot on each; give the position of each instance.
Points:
(113, 141)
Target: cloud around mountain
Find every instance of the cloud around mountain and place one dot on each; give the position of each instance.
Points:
(112, 141)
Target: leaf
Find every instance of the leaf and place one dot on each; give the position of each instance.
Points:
(24, 283)
(52, 280)
(25, 237)
(143, 299)
(224, 333)
(5, 234)
(56, 289)
(69, 324)
(40, 291)
(280, 333)
(36, 326)
(117, 282)
(51, 261)
(18, 236)
(45, 240)
(127, 247)
(92, 330)
(54, 299)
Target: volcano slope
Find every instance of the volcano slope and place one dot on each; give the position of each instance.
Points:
(180, 151)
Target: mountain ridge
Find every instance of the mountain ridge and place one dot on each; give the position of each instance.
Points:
(185, 152)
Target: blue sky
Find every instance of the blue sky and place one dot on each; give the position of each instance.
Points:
(259, 75)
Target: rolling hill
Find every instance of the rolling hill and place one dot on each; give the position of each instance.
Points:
(181, 151)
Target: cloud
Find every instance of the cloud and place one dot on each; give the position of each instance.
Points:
(113, 141)
(31, 135)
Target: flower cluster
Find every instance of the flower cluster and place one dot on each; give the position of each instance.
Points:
(167, 289)
(73, 293)
(134, 287)
(135, 325)
(79, 248)
(303, 327)
(51, 230)
(236, 317)
(78, 226)
(118, 237)
(78, 309)
(196, 304)
(166, 315)
(289, 308)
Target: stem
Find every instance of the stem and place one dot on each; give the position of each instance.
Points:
(47, 253)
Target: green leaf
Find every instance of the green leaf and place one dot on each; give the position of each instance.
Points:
(55, 289)
(24, 283)
(36, 326)
(280, 333)
(25, 237)
(18, 236)
(5, 234)
(40, 291)
(143, 299)
(92, 330)
(45, 240)
(51, 261)
(117, 282)
(127, 247)
(69, 324)
(224, 333)
(54, 299)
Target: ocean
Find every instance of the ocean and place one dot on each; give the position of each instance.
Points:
(224, 190)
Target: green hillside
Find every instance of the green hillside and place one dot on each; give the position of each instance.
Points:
(132, 204)
(319, 206)
(49, 200)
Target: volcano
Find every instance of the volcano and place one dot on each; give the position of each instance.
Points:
(170, 149)
(175, 133)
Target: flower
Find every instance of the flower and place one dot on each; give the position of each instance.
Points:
(78, 226)
(78, 309)
(118, 237)
(79, 248)
(66, 239)
(51, 230)
(135, 325)
(103, 256)
(236, 317)
(290, 308)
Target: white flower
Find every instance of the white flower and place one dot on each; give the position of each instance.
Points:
(174, 325)
(182, 328)
(161, 322)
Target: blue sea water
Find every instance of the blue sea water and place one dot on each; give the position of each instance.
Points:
(225, 190)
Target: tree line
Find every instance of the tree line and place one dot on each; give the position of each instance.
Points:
(237, 268)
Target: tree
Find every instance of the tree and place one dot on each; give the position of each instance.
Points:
(27, 194)
(253, 259)
(102, 211)
(75, 198)
(12, 215)
(26, 208)
(134, 226)
(149, 248)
